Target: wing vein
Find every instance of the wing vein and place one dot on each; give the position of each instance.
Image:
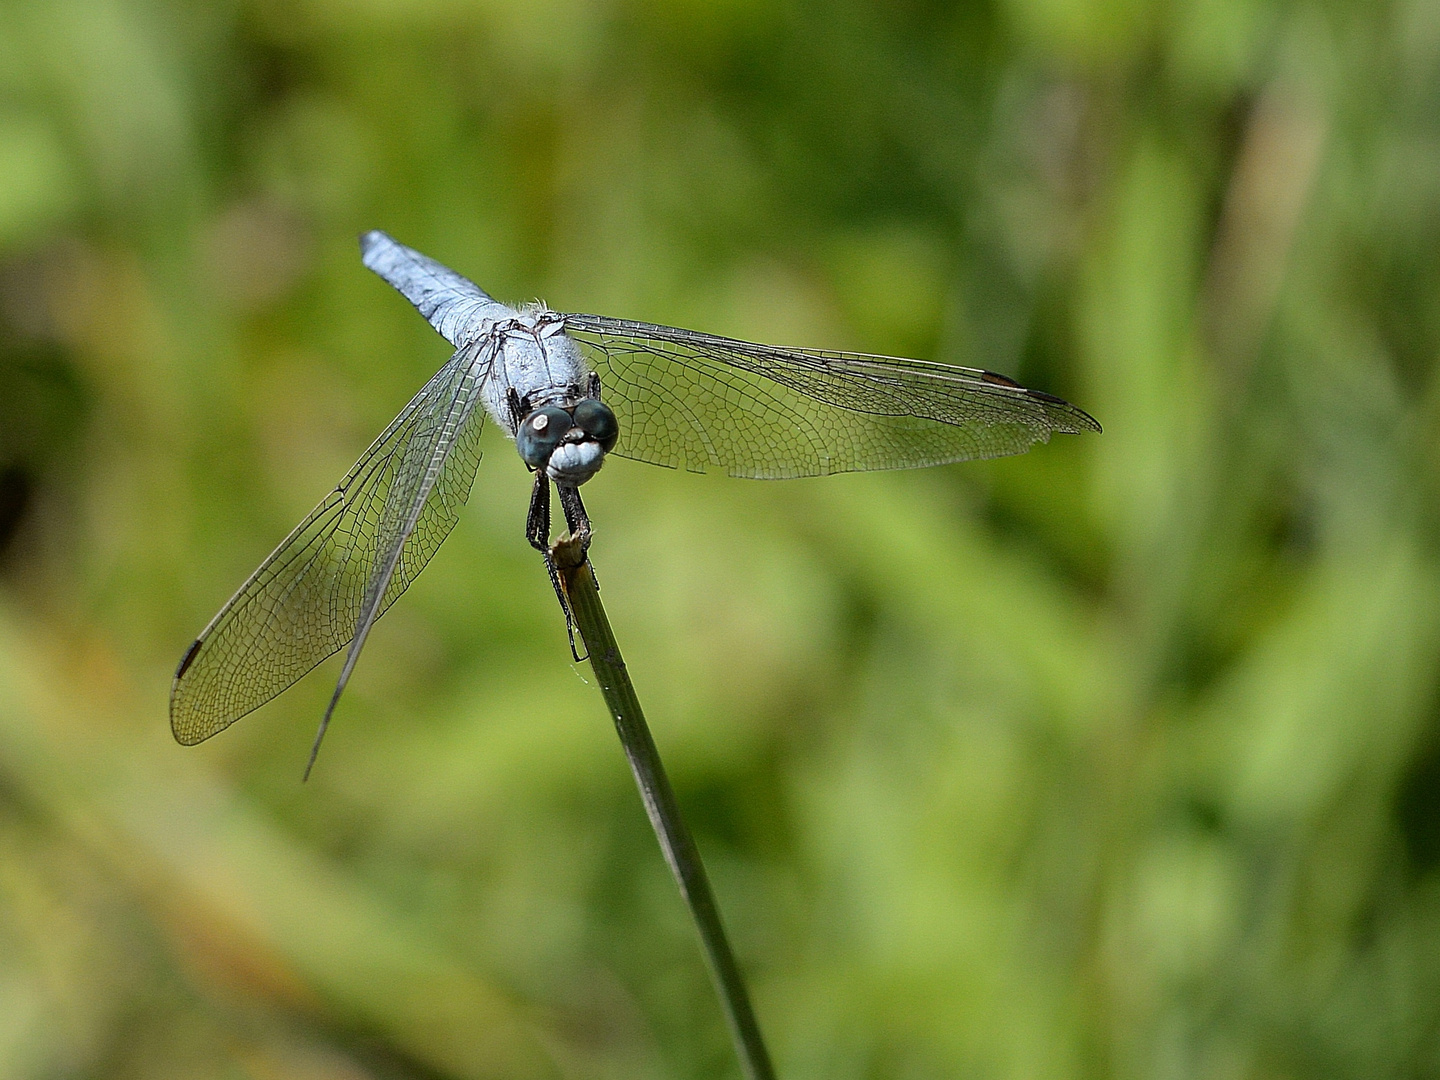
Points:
(691, 400)
(343, 566)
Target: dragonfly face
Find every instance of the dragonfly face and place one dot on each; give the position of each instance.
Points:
(569, 445)
(676, 397)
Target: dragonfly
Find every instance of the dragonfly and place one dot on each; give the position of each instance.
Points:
(569, 390)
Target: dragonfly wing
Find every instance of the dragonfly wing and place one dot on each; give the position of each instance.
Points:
(454, 305)
(344, 565)
(699, 401)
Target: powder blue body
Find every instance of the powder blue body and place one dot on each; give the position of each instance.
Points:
(526, 350)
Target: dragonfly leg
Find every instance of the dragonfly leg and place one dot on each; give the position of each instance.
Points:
(537, 522)
(516, 407)
(579, 523)
(537, 531)
(595, 385)
(575, 515)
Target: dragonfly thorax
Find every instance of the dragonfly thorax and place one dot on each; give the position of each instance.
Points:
(550, 400)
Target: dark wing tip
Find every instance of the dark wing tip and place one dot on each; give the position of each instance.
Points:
(183, 735)
(187, 659)
(1080, 419)
(1043, 396)
(1001, 380)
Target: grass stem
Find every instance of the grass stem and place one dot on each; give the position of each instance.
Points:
(670, 829)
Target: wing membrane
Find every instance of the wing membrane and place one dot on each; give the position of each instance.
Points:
(700, 401)
(344, 565)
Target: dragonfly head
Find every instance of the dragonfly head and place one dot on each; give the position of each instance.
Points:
(569, 444)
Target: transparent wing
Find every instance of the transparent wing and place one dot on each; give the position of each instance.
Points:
(699, 401)
(344, 565)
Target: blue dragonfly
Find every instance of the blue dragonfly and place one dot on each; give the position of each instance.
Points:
(569, 390)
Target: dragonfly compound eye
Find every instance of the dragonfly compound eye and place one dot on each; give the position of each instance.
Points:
(596, 420)
(540, 433)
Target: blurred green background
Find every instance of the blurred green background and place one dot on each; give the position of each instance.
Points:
(1119, 759)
